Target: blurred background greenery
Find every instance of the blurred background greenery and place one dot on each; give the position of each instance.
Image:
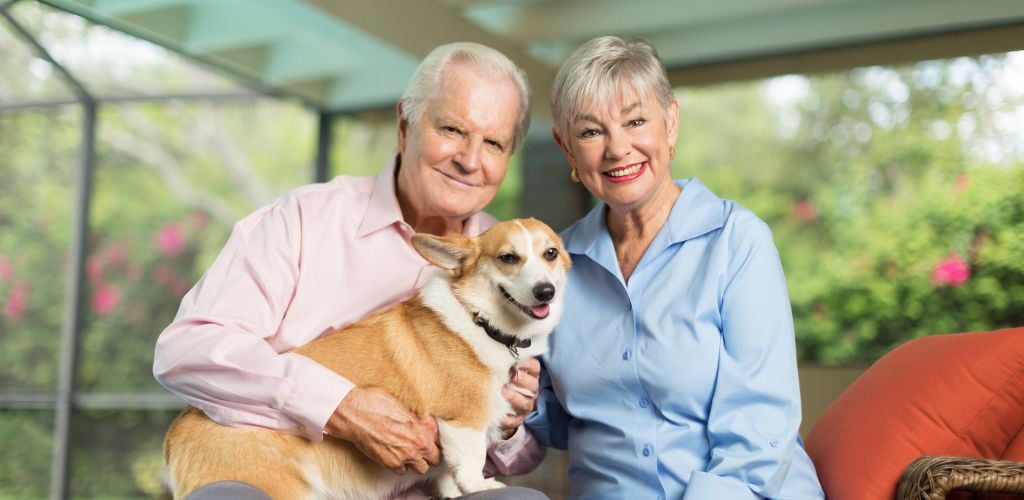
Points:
(896, 196)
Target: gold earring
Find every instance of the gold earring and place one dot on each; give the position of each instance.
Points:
(572, 175)
(671, 152)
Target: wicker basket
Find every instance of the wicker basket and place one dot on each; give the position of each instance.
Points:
(933, 477)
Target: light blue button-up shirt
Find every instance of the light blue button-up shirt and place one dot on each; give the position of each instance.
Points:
(681, 383)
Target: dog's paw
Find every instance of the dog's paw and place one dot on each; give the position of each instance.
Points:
(483, 484)
(447, 487)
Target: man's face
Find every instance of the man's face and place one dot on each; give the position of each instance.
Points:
(454, 159)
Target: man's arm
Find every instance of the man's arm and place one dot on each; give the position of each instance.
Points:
(218, 352)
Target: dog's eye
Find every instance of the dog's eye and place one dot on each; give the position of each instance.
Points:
(509, 258)
(551, 254)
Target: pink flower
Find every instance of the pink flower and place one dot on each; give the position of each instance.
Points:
(170, 240)
(805, 211)
(15, 306)
(951, 271)
(94, 268)
(5, 269)
(105, 299)
(961, 183)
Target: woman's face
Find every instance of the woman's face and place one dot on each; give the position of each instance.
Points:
(621, 149)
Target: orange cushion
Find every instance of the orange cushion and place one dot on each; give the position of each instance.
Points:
(1015, 451)
(958, 394)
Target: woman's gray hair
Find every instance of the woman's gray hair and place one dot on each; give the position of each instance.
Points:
(603, 68)
(426, 81)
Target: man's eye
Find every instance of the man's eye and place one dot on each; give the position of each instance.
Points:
(509, 258)
(551, 254)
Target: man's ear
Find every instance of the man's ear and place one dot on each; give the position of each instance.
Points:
(452, 253)
(403, 125)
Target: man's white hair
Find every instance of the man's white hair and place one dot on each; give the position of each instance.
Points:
(427, 81)
(603, 69)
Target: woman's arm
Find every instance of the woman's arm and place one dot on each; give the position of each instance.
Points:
(754, 417)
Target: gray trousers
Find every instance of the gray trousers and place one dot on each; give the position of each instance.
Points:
(237, 490)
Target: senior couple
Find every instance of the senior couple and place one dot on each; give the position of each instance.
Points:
(673, 371)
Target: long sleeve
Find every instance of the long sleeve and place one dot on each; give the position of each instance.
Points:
(755, 408)
(549, 422)
(223, 353)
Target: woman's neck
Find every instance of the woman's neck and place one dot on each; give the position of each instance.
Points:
(633, 228)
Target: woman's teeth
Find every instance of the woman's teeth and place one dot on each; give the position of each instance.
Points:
(625, 171)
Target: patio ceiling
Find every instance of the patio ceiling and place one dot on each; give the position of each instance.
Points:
(352, 55)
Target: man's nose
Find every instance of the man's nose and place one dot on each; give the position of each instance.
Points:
(469, 156)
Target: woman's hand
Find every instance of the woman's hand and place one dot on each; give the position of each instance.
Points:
(521, 394)
(386, 431)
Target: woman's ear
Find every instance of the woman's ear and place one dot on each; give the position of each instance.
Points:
(672, 122)
(561, 143)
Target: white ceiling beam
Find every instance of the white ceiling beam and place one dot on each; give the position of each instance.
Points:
(417, 27)
(575, 21)
(831, 26)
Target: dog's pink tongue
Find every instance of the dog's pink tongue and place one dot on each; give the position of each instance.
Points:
(541, 311)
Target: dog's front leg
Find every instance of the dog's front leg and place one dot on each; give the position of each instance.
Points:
(465, 451)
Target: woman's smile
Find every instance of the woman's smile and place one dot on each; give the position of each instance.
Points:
(625, 173)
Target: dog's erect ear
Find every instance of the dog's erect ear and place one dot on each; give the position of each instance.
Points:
(451, 253)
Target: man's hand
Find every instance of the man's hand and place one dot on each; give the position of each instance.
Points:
(386, 431)
(521, 393)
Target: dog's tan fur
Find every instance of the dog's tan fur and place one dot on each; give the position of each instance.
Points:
(408, 350)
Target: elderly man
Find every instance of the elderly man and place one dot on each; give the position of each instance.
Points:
(325, 255)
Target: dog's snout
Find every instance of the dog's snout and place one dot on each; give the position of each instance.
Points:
(544, 291)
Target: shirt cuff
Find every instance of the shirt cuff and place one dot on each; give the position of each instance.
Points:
(518, 454)
(703, 485)
(313, 401)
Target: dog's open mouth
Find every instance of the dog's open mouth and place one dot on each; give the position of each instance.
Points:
(539, 311)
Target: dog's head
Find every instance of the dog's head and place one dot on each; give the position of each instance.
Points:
(513, 275)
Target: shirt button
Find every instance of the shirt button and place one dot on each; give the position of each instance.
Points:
(647, 450)
(625, 355)
(644, 403)
(774, 443)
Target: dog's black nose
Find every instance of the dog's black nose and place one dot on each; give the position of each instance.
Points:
(544, 291)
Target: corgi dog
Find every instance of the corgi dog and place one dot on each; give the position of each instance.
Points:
(446, 352)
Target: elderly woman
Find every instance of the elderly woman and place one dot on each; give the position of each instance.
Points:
(673, 371)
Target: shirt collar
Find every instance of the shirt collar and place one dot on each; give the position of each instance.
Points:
(697, 211)
(383, 209)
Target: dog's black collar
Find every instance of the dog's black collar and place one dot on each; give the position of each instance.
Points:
(511, 342)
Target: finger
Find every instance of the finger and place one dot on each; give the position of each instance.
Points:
(433, 455)
(419, 466)
(519, 403)
(530, 367)
(400, 470)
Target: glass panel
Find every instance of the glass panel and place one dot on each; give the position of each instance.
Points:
(23, 76)
(363, 145)
(118, 454)
(26, 453)
(171, 180)
(894, 194)
(109, 63)
(39, 151)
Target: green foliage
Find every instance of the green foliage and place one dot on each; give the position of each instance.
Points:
(872, 181)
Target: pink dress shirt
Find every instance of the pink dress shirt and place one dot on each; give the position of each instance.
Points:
(319, 258)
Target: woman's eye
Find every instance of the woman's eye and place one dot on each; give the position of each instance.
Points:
(551, 254)
(509, 258)
(588, 133)
(637, 122)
